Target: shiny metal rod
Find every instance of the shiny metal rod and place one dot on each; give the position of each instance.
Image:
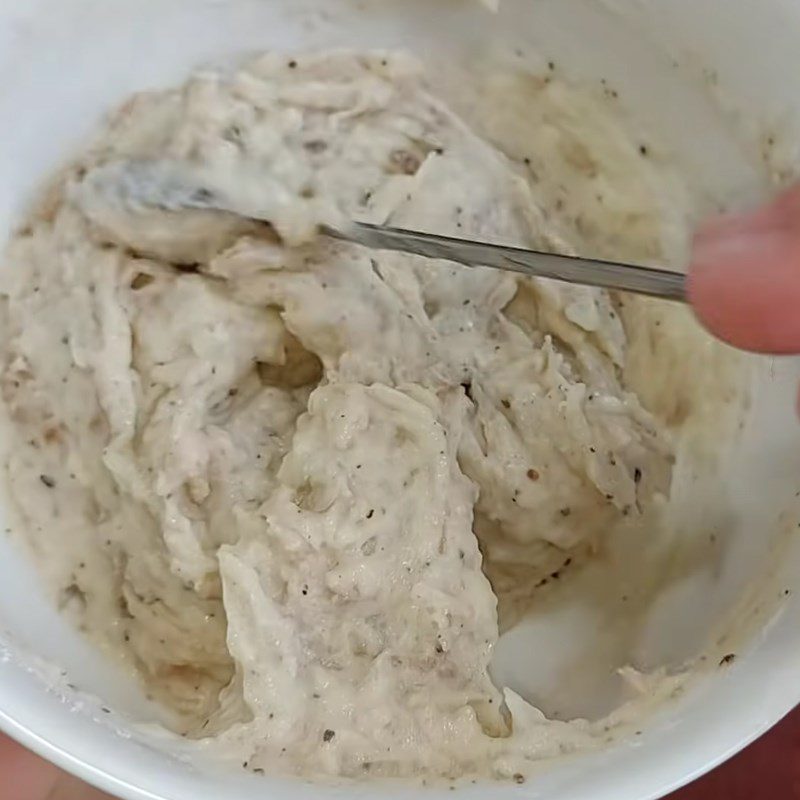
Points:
(572, 269)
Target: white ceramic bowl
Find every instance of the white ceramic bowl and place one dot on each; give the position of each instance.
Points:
(715, 80)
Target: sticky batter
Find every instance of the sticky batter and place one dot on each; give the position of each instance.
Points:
(287, 479)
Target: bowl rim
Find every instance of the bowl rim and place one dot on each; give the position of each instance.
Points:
(719, 720)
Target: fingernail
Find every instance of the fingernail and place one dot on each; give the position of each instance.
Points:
(750, 223)
(718, 250)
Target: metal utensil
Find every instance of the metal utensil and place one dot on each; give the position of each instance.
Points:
(572, 269)
(168, 185)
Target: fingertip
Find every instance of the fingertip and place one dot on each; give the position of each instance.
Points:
(744, 286)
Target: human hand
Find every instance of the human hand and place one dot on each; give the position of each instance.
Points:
(24, 776)
(744, 277)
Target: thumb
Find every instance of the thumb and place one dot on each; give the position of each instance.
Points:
(744, 277)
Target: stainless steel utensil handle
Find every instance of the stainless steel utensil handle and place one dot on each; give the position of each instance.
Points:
(572, 269)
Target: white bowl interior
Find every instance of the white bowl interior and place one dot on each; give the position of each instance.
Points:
(710, 80)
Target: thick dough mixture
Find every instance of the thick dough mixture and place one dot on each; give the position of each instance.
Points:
(287, 478)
